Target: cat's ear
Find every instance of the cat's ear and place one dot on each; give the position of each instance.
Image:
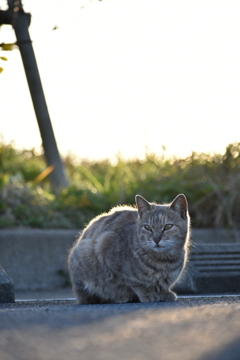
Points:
(180, 204)
(142, 204)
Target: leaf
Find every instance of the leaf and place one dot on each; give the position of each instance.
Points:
(43, 174)
(1, 70)
(3, 58)
(7, 47)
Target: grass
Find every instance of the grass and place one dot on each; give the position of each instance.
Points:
(210, 182)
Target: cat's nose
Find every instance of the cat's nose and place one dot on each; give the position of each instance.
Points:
(156, 240)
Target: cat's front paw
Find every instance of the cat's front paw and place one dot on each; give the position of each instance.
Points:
(122, 300)
(168, 296)
(152, 297)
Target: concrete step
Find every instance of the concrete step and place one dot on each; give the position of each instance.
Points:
(217, 258)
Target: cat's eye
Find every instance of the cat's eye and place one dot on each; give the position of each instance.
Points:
(148, 227)
(168, 226)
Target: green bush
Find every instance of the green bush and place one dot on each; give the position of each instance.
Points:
(210, 182)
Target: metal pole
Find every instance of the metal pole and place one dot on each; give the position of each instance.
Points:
(21, 21)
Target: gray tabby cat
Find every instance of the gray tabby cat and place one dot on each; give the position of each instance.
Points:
(131, 254)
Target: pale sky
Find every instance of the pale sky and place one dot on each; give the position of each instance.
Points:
(121, 76)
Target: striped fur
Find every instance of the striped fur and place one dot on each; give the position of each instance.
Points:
(130, 254)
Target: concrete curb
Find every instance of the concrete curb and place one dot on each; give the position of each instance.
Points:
(6, 288)
(36, 259)
(215, 236)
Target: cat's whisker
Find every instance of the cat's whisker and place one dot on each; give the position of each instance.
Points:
(194, 247)
(140, 248)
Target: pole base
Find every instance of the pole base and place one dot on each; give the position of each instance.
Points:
(6, 288)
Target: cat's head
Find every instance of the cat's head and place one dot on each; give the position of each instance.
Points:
(163, 228)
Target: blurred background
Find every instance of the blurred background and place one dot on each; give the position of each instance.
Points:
(143, 97)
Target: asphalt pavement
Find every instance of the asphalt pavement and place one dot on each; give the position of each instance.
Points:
(192, 328)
